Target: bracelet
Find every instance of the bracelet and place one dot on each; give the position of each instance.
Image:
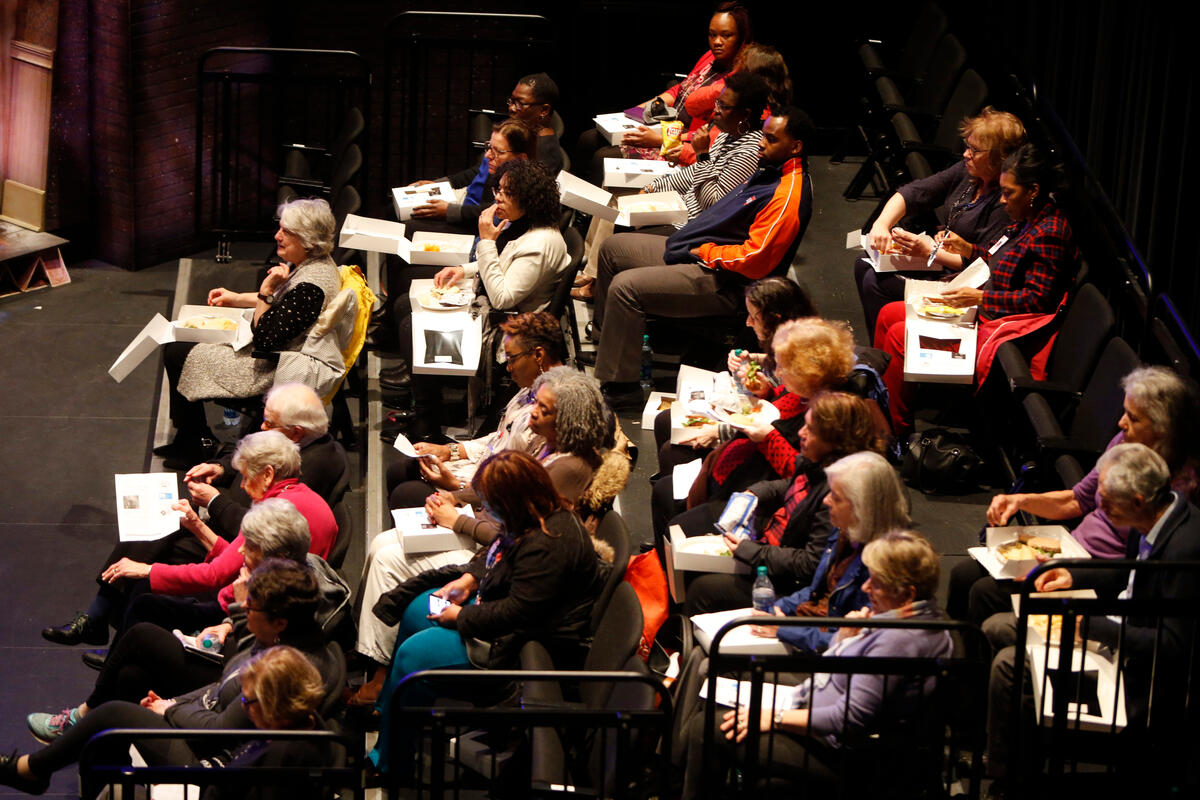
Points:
(454, 451)
(777, 719)
(462, 485)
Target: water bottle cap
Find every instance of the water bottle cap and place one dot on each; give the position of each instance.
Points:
(762, 570)
(207, 642)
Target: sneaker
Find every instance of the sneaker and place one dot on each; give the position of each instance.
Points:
(48, 727)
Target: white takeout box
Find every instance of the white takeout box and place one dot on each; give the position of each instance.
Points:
(651, 410)
(740, 640)
(583, 196)
(692, 383)
(418, 535)
(670, 209)
(989, 557)
(1110, 694)
(681, 561)
(464, 328)
(373, 235)
(614, 126)
(633, 173)
(950, 344)
(455, 248)
(160, 331)
(893, 262)
(406, 198)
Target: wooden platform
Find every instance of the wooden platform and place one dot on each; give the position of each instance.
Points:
(29, 260)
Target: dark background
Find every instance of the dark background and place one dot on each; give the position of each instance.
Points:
(1118, 75)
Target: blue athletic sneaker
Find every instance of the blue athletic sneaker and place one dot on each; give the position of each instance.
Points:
(48, 727)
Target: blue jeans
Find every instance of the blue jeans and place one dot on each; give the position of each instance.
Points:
(420, 644)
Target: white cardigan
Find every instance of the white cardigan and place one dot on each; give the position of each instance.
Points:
(524, 276)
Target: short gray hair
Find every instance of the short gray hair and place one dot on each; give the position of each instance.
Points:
(257, 451)
(580, 423)
(875, 493)
(296, 404)
(312, 221)
(1169, 402)
(276, 528)
(1128, 471)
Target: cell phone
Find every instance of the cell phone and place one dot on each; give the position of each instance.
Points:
(437, 604)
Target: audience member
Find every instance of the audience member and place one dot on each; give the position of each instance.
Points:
(1032, 267)
(1161, 411)
(802, 744)
(537, 580)
(286, 307)
(966, 197)
(792, 519)
(293, 593)
(748, 234)
(767, 63)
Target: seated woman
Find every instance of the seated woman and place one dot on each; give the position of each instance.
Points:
(966, 198)
(728, 156)
(903, 577)
(519, 259)
(282, 691)
(537, 580)
(1162, 410)
(767, 63)
(568, 417)
(770, 302)
(532, 343)
(181, 595)
(286, 306)
(1032, 267)
(793, 525)
(282, 600)
(865, 500)
(729, 30)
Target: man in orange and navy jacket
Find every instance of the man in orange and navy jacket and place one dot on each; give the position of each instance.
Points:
(749, 234)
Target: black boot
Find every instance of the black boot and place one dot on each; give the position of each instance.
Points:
(81, 629)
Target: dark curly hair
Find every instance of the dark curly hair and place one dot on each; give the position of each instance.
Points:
(844, 422)
(283, 589)
(538, 329)
(751, 91)
(531, 186)
(544, 89)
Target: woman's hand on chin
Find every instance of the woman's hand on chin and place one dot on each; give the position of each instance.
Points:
(275, 278)
(488, 229)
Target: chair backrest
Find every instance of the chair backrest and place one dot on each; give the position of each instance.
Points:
(334, 681)
(948, 61)
(1100, 406)
(344, 170)
(566, 280)
(1086, 328)
(615, 642)
(929, 26)
(969, 96)
(615, 532)
(341, 545)
(352, 127)
(346, 201)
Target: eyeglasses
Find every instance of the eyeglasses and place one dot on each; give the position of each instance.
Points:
(248, 701)
(509, 360)
(498, 191)
(515, 103)
(970, 148)
(724, 107)
(496, 152)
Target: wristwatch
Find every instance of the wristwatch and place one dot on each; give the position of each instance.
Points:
(777, 719)
(266, 298)
(454, 451)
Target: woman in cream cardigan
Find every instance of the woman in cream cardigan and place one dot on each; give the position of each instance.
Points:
(521, 252)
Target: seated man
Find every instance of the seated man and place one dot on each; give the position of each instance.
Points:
(294, 410)
(1134, 491)
(750, 233)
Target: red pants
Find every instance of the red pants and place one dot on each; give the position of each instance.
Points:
(889, 337)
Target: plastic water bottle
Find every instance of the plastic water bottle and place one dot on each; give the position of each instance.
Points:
(231, 419)
(647, 380)
(763, 593)
(209, 641)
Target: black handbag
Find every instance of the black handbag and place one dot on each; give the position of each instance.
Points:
(939, 461)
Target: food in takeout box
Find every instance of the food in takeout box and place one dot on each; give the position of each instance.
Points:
(210, 323)
(448, 296)
(433, 247)
(935, 309)
(706, 546)
(1027, 547)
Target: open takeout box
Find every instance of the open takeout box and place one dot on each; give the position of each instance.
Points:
(372, 235)
(682, 556)
(941, 350)
(406, 198)
(633, 173)
(444, 342)
(999, 567)
(437, 249)
(655, 208)
(580, 195)
(160, 331)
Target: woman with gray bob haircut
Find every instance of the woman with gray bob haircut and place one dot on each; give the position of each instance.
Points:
(866, 500)
(259, 452)
(275, 529)
(1170, 405)
(1132, 474)
(286, 309)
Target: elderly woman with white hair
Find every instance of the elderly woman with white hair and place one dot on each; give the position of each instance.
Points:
(865, 500)
(286, 306)
(1161, 411)
(176, 595)
(569, 415)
